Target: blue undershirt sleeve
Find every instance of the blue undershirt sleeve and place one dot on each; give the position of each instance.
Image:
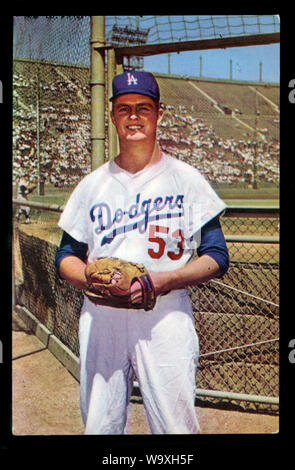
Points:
(70, 247)
(213, 244)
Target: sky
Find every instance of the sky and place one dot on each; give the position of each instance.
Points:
(216, 63)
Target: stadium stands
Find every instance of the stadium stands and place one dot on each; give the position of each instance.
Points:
(225, 129)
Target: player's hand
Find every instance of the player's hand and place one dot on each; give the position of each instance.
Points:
(136, 292)
(159, 280)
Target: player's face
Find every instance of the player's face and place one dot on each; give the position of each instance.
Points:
(135, 117)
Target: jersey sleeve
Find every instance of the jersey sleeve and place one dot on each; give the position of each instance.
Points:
(73, 219)
(70, 247)
(203, 204)
(213, 244)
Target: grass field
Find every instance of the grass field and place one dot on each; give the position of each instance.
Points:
(268, 196)
(231, 195)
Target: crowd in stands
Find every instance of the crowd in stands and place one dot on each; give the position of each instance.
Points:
(65, 157)
(64, 133)
(221, 160)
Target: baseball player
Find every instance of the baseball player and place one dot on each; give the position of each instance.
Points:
(147, 207)
(23, 189)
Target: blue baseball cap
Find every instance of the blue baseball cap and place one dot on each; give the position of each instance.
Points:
(143, 83)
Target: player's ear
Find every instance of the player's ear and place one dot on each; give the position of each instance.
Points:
(112, 117)
(160, 113)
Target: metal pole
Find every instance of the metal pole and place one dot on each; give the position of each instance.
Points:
(228, 395)
(255, 184)
(237, 396)
(97, 84)
(38, 136)
(119, 65)
(112, 134)
(260, 71)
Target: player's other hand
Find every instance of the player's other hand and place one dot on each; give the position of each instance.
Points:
(160, 282)
(136, 292)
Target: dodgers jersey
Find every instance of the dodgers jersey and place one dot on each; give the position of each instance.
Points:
(152, 217)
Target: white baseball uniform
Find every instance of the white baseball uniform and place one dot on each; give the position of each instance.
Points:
(153, 217)
(22, 196)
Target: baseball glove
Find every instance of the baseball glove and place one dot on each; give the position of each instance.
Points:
(110, 280)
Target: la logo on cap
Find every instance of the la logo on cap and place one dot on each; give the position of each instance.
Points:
(131, 80)
(135, 81)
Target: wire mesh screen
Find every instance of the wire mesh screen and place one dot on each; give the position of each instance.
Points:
(185, 27)
(53, 302)
(63, 39)
(237, 319)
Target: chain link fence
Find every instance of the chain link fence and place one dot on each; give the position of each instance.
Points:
(236, 317)
(229, 131)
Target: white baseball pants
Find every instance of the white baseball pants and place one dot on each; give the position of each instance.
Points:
(160, 347)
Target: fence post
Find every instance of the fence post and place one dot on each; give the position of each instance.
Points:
(97, 84)
(38, 131)
(112, 134)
